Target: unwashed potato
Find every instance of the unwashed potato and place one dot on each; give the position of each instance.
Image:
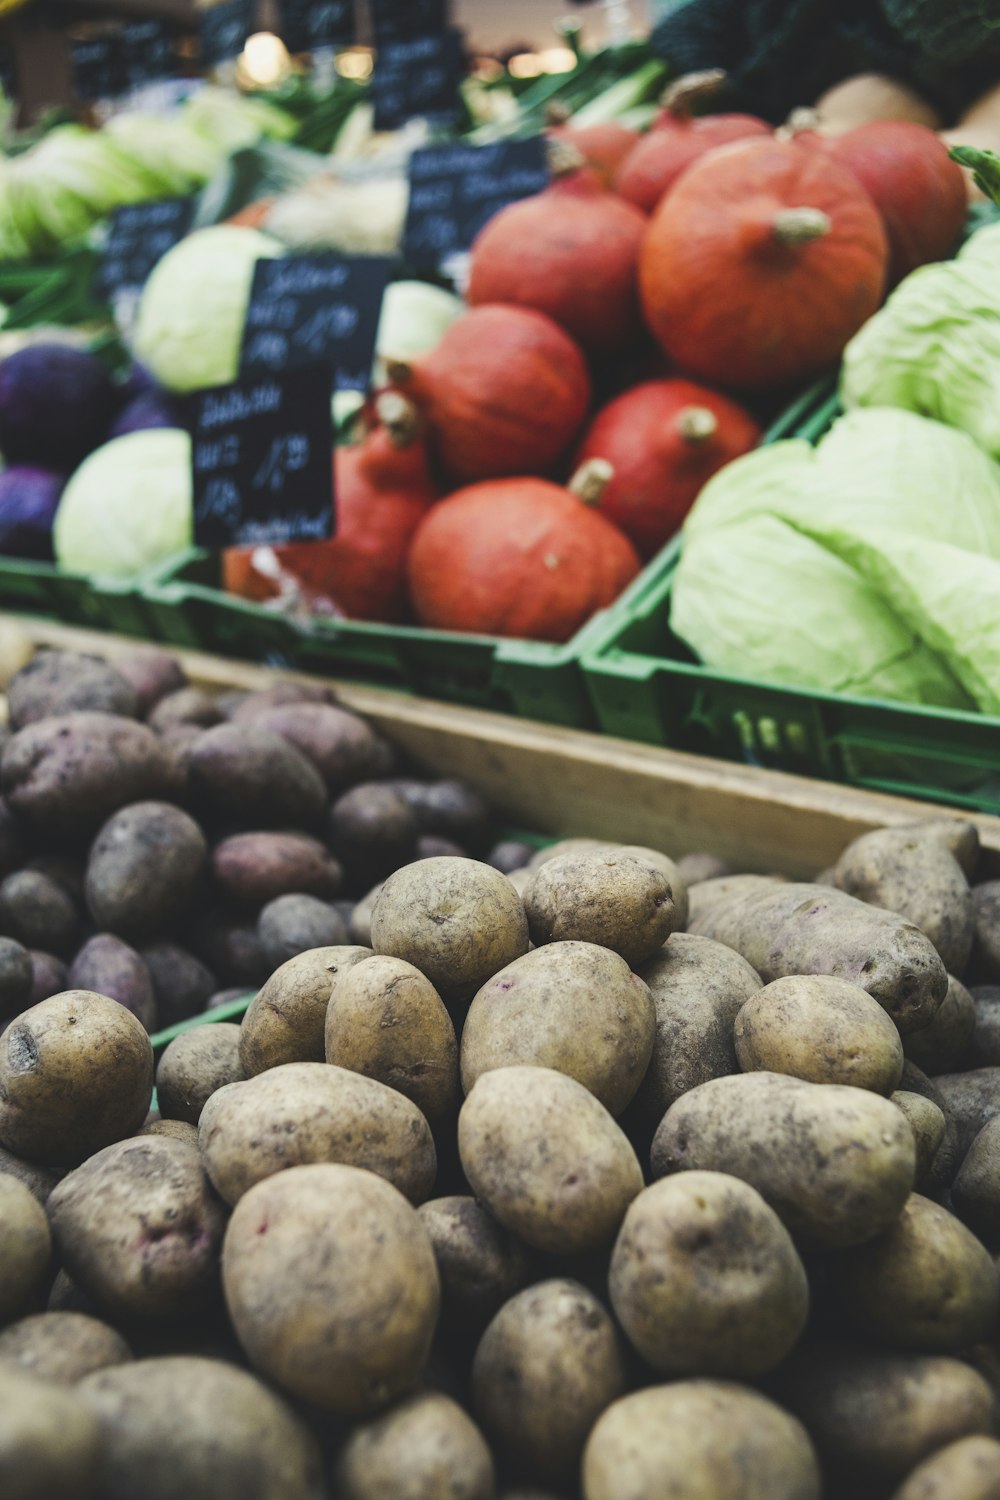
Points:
(822, 1029)
(927, 1122)
(50, 1442)
(331, 1286)
(547, 1159)
(289, 925)
(360, 922)
(604, 897)
(971, 1099)
(510, 855)
(985, 962)
(386, 1020)
(718, 889)
(185, 706)
(145, 869)
(254, 868)
(76, 1073)
(975, 1191)
(342, 747)
(546, 1367)
(549, 852)
(966, 1470)
(479, 1263)
(62, 1346)
(242, 773)
(36, 911)
(301, 1113)
(941, 1046)
(110, 967)
(698, 1440)
(572, 1006)
(194, 1065)
(182, 984)
(48, 977)
(425, 1447)
(138, 1227)
(181, 1427)
(700, 865)
(958, 835)
(286, 1019)
(949, 1155)
(37, 1180)
(25, 1250)
(151, 674)
(458, 921)
(230, 948)
(448, 809)
(174, 1130)
(835, 1163)
(57, 682)
(984, 1045)
(372, 830)
(909, 872)
(705, 1279)
(17, 977)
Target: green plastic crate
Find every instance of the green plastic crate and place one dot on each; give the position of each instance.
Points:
(39, 588)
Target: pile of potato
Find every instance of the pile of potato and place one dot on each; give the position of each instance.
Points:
(588, 1174)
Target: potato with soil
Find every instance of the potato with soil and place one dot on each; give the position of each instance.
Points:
(546, 1367)
(927, 1122)
(240, 773)
(145, 869)
(718, 889)
(614, 900)
(58, 682)
(64, 777)
(785, 929)
(301, 1113)
(456, 920)
(194, 1065)
(182, 984)
(286, 1019)
(50, 1442)
(331, 1286)
(343, 747)
(699, 865)
(479, 1263)
(835, 1163)
(948, 1156)
(37, 912)
(228, 945)
(547, 1159)
(174, 1130)
(25, 1250)
(447, 809)
(943, 1045)
(76, 1073)
(151, 674)
(49, 976)
(822, 1029)
(985, 962)
(290, 925)
(975, 1192)
(425, 1447)
(571, 1006)
(110, 967)
(62, 1346)
(387, 1021)
(698, 1440)
(184, 707)
(138, 1228)
(372, 831)
(971, 1099)
(966, 1470)
(184, 1426)
(705, 1279)
(37, 1180)
(983, 1050)
(254, 868)
(17, 977)
(360, 922)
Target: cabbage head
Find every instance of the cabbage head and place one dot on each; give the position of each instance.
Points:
(127, 506)
(189, 328)
(983, 247)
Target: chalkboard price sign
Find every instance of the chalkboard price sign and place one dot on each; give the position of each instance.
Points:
(224, 29)
(456, 189)
(139, 236)
(402, 20)
(98, 65)
(316, 307)
(418, 78)
(149, 52)
(309, 24)
(261, 463)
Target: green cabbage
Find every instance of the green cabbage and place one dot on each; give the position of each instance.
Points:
(171, 151)
(127, 506)
(983, 247)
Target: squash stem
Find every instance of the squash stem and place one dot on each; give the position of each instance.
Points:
(591, 480)
(696, 424)
(682, 97)
(798, 226)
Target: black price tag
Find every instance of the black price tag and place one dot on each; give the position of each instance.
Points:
(455, 190)
(261, 460)
(316, 307)
(418, 78)
(8, 71)
(150, 52)
(224, 28)
(402, 20)
(309, 24)
(98, 64)
(139, 236)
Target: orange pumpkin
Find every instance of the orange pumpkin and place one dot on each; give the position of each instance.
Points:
(603, 146)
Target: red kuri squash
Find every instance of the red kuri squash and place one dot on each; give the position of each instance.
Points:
(603, 146)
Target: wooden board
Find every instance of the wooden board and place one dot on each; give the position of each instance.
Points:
(566, 782)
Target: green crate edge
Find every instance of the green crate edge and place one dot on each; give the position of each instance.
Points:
(96, 603)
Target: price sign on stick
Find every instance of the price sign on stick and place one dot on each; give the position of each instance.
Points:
(455, 190)
(98, 66)
(418, 78)
(261, 464)
(310, 24)
(401, 20)
(139, 236)
(224, 28)
(149, 49)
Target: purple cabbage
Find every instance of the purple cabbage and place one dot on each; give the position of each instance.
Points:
(56, 404)
(28, 501)
(150, 409)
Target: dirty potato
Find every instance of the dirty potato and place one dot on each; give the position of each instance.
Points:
(941, 1046)
(108, 966)
(25, 1250)
(822, 1029)
(144, 870)
(479, 1262)
(194, 1065)
(425, 1446)
(286, 1019)
(62, 1346)
(51, 1441)
(604, 897)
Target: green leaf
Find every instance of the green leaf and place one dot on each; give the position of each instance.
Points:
(984, 165)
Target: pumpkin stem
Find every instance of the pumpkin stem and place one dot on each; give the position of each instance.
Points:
(591, 480)
(801, 119)
(398, 371)
(797, 226)
(398, 416)
(696, 424)
(563, 158)
(556, 112)
(682, 97)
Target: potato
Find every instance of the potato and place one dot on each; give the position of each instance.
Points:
(181, 1427)
(966, 1470)
(432, 846)
(520, 880)
(62, 1346)
(387, 1021)
(928, 1125)
(873, 1415)
(985, 963)
(905, 871)
(545, 1368)
(138, 1227)
(57, 682)
(50, 1443)
(286, 1018)
(607, 898)
(229, 946)
(423, 1448)
(564, 846)
(343, 747)
(331, 1286)
(789, 929)
(975, 1192)
(66, 1296)
(181, 983)
(254, 868)
(479, 1263)
(360, 924)
(941, 1046)
(572, 1006)
(447, 808)
(510, 855)
(13, 850)
(835, 1163)
(35, 911)
(971, 1099)
(705, 894)
(947, 1158)
(373, 831)
(174, 1130)
(25, 1249)
(17, 976)
(547, 1159)
(698, 1440)
(289, 925)
(194, 1065)
(705, 1279)
(822, 1029)
(76, 1073)
(151, 674)
(110, 967)
(186, 705)
(698, 988)
(48, 977)
(145, 869)
(458, 921)
(699, 865)
(240, 773)
(37, 1180)
(64, 777)
(984, 1045)
(958, 835)
(245, 708)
